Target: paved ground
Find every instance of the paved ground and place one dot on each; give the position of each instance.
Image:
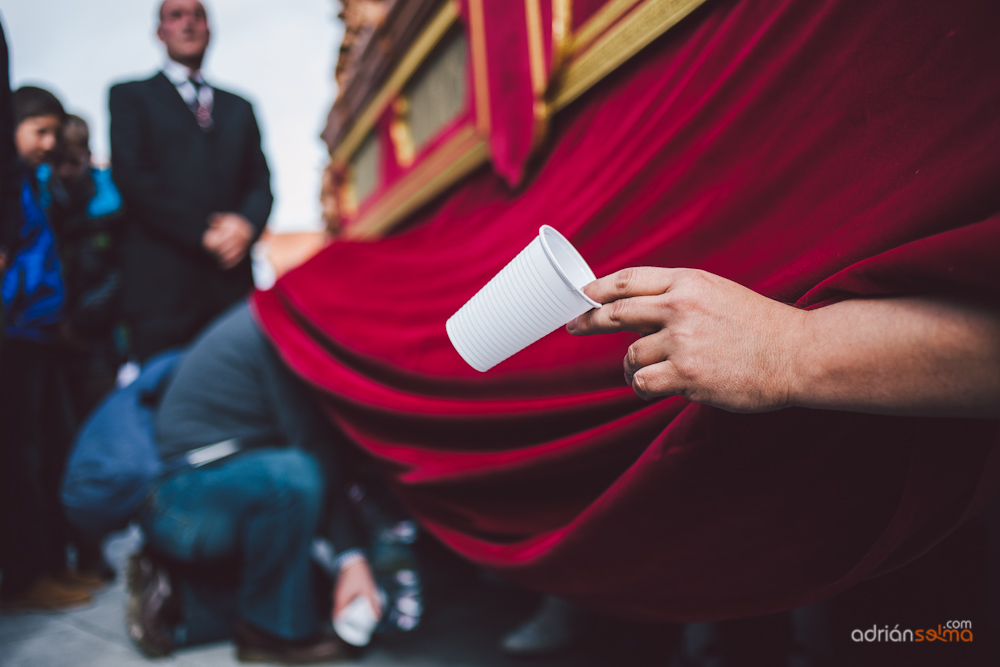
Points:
(466, 616)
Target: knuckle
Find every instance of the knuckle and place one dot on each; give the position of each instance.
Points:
(682, 275)
(632, 357)
(624, 280)
(687, 368)
(618, 311)
(681, 302)
(692, 279)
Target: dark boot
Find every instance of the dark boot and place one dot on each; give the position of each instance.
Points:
(153, 608)
(256, 645)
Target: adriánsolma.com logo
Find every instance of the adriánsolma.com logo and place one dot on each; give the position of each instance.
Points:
(952, 631)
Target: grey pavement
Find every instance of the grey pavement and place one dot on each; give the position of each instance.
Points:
(465, 619)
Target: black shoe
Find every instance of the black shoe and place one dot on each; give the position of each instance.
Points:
(153, 608)
(556, 627)
(255, 645)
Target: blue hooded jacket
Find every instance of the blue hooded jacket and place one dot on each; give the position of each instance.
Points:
(32, 287)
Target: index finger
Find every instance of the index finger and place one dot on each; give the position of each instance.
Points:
(633, 281)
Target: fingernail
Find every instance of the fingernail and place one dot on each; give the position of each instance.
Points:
(571, 327)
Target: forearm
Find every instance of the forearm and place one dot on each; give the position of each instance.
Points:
(900, 356)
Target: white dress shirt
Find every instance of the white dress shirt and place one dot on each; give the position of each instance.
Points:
(181, 77)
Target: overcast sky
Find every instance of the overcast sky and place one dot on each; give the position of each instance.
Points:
(279, 54)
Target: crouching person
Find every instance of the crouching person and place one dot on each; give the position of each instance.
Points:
(250, 480)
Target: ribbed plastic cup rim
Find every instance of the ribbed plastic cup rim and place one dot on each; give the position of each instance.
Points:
(575, 255)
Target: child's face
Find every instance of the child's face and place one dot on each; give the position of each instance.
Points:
(72, 164)
(36, 139)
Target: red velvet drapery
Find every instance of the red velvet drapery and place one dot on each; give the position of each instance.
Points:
(812, 151)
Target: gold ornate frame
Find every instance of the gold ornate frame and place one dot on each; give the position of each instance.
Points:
(579, 60)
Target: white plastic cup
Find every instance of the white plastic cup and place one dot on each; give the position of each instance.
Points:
(539, 291)
(356, 623)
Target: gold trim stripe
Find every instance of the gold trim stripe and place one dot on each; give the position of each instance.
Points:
(461, 154)
(562, 33)
(416, 55)
(539, 75)
(599, 22)
(481, 81)
(536, 46)
(633, 33)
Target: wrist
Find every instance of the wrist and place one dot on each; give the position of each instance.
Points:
(798, 363)
(832, 365)
(349, 558)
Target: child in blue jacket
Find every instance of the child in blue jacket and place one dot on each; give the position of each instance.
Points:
(35, 413)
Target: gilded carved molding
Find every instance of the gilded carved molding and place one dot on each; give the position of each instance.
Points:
(575, 62)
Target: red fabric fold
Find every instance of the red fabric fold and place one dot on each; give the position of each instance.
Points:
(811, 151)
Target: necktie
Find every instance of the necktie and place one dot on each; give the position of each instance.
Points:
(202, 111)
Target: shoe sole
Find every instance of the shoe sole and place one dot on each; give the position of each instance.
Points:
(85, 587)
(24, 608)
(79, 599)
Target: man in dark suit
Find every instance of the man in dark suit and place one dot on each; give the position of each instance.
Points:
(188, 162)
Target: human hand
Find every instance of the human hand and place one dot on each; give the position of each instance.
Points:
(356, 579)
(706, 338)
(228, 238)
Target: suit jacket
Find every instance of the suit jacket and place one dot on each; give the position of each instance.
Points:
(172, 176)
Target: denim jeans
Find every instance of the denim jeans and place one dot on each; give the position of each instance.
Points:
(251, 516)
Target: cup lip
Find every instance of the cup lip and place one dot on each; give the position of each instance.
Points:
(555, 264)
